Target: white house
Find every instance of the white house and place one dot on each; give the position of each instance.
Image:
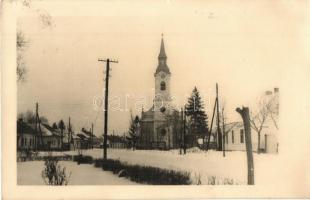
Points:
(235, 138)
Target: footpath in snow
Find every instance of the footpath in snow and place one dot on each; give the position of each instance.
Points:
(29, 173)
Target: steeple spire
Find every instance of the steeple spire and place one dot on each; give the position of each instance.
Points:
(162, 58)
(162, 53)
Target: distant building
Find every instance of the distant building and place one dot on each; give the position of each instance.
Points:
(26, 136)
(156, 131)
(116, 141)
(51, 138)
(29, 138)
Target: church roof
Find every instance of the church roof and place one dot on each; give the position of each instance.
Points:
(148, 115)
(162, 59)
(162, 53)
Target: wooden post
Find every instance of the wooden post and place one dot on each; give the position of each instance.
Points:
(244, 112)
(224, 134)
(38, 122)
(219, 134)
(106, 104)
(210, 130)
(92, 135)
(184, 126)
(181, 132)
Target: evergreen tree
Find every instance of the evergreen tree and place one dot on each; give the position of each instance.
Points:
(198, 119)
(134, 131)
(54, 126)
(62, 127)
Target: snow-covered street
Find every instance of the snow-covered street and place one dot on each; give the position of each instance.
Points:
(202, 165)
(29, 173)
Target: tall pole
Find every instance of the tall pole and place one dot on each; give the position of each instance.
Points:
(105, 138)
(70, 138)
(36, 129)
(181, 132)
(219, 135)
(38, 124)
(184, 126)
(223, 128)
(113, 139)
(210, 130)
(92, 135)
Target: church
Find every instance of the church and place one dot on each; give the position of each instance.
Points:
(156, 131)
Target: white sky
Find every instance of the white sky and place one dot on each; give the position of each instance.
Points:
(243, 47)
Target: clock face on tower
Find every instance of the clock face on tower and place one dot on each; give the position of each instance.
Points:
(163, 76)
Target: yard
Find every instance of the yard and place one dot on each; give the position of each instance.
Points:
(208, 167)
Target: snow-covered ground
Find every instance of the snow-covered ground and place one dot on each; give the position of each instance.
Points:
(29, 173)
(202, 165)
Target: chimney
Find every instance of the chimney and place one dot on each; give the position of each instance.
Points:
(276, 90)
(268, 92)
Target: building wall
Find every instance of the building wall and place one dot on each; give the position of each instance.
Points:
(162, 99)
(147, 134)
(26, 141)
(52, 142)
(268, 134)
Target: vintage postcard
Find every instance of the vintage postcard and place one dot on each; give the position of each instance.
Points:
(155, 99)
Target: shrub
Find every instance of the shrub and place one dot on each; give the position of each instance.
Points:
(53, 173)
(145, 174)
(80, 159)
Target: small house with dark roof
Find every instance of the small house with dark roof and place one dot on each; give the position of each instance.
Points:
(26, 136)
(51, 138)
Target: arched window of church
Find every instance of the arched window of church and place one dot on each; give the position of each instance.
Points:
(162, 85)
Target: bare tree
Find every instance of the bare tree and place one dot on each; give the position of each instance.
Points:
(244, 112)
(267, 107)
(21, 44)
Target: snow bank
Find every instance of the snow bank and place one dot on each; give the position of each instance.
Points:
(207, 167)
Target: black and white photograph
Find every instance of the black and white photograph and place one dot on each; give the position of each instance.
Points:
(148, 93)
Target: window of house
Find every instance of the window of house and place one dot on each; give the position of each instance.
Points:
(162, 85)
(22, 142)
(232, 137)
(163, 132)
(241, 136)
(25, 141)
(30, 141)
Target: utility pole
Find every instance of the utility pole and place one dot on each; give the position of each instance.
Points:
(224, 133)
(210, 130)
(69, 133)
(92, 136)
(181, 132)
(38, 121)
(184, 127)
(36, 129)
(70, 137)
(219, 134)
(113, 139)
(106, 103)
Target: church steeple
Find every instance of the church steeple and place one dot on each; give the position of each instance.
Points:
(162, 59)
(162, 53)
